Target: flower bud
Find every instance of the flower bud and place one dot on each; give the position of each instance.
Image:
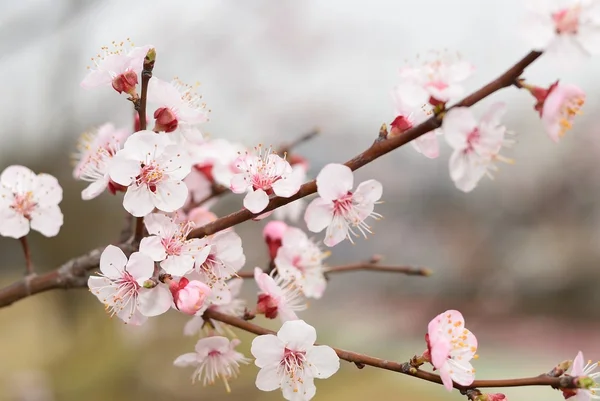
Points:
(166, 120)
(189, 296)
(125, 82)
(492, 397)
(273, 233)
(267, 306)
(399, 125)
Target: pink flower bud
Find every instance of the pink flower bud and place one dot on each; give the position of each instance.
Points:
(189, 296)
(206, 170)
(267, 306)
(125, 82)
(273, 233)
(399, 125)
(492, 397)
(166, 120)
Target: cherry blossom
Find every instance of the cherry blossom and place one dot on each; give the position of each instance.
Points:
(450, 348)
(278, 297)
(125, 288)
(261, 175)
(225, 259)
(558, 106)
(409, 116)
(217, 160)
(115, 68)
(179, 108)
(29, 201)
(589, 385)
(215, 358)
(435, 82)
(153, 169)
(476, 144)
(569, 29)
(299, 259)
(96, 150)
(232, 305)
(201, 216)
(273, 234)
(168, 244)
(338, 208)
(189, 296)
(293, 210)
(291, 361)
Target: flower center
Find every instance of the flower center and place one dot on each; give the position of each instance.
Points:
(150, 175)
(472, 139)
(172, 245)
(297, 262)
(24, 204)
(292, 365)
(570, 109)
(342, 206)
(566, 21)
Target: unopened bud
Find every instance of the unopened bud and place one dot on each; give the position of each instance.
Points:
(166, 120)
(189, 296)
(267, 306)
(491, 397)
(399, 125)
(273, 234)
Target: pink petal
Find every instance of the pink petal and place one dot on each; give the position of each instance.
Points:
(440, 350)
(446, 378)
(297, 335)
(153, 247)
(96, 78)
(155, 301)
(112, 262)
(178, 265)
(428, 145)
(334, 181)
(239, 183)
(256, 201)
(268, 350)
(94, 189)
(13, 224)
(170, 195)
(267, 378)
(138, 201)
(336, 232)
(163, 93)
(18, 178)
(123, 170)
(48, 190)
(287, 186)
(47, 220)
(318, 215)
(458, 123)
(140, 266)
(369, 191)
(159, 224)
(185, 360)
(578, 365)
(323, 360)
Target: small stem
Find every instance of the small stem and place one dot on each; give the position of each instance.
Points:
(139, 229)
(140, 105)
(28, 264)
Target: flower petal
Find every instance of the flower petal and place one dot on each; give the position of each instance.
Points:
(256, 201)
(334, 181)
(323, 361)
(155, 301)
(153, 247)
(297, 335)
(47, 220)
(138, 200)
(170, 195)
(318, 214)
(186, 360)
(458, 123)
(268, 350)
(267, 378)
(112, 262)
(140, 266)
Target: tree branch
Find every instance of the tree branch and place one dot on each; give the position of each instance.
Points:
(404, 368)
(379, 148)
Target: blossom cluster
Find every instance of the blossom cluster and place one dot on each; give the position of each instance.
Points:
(171, 174)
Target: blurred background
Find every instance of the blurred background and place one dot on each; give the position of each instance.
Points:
(518, 256)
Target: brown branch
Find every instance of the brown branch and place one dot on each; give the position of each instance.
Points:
(72, 274)
(405, 368)
(379, 148)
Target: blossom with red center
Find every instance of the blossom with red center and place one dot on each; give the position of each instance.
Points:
(300, 259)
(190, 296)
(96, 150)
(225, 259)
(338, 208)
(117, 69)
(409, 116)
(168, 244)
(569, 32)
(152, 168)
(122, 286)
(278, 297)
(180, 108)
(261, 175)
(476, 144)
(558, 106)
(435, 82)
(291, 361)
(215, 358)
(29, 201)
(450, 347)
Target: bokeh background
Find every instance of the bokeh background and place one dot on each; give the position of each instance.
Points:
(519, 255)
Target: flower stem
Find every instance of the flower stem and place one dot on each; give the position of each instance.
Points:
(28, 265)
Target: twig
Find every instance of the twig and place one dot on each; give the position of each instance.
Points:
(404, 368)
(139, 229)
(28, 265)
(377, 149)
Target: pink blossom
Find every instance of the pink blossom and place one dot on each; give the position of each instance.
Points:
(122, 286)
(558, 106)
(589, 385)
(29, 201)
(408, 117)
(201, 216)
(300, 260)
(570, 32)
(189, 296)
(450, 347)
(217, 160)
(96, 150)
(179, 107)
(225, 259)
(231, 305)
(338, 208)
(273, 234)
(476, 144)
(261, 175)
(117, 69)
(291, 361)
(293, 210)
(168, 244)
(215, 358)
(153, 169)
(278, 298)
(435, 82)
